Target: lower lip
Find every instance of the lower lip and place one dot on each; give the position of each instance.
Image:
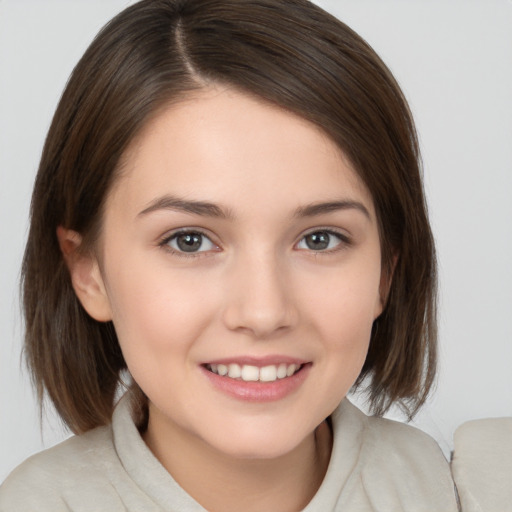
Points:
(258, 391)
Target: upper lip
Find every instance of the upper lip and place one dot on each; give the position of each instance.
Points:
(260, 362)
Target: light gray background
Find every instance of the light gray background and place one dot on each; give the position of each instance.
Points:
(453, 59)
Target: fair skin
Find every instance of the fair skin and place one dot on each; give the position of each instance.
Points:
(280, 270)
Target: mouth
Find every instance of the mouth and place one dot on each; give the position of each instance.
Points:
(251, 373)
(257, 380)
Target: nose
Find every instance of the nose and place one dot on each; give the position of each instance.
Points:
(259, 297)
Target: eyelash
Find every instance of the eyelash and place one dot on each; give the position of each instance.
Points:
(164, 243)
(344, 242)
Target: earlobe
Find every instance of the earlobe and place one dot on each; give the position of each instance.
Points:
(85, 275)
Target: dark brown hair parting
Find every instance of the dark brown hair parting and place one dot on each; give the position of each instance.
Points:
(287, 52)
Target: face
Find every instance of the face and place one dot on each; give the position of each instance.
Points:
(240, 263)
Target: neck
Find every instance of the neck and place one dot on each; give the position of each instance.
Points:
(221, 483)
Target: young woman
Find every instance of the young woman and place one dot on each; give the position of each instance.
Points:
(229, 223)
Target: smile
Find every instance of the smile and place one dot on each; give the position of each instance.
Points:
(258, 381)
(250, 373)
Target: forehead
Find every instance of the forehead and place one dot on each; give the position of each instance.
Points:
(227, 146)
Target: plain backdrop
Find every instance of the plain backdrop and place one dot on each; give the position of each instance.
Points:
(453, 59)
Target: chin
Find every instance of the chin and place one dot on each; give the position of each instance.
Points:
(258, 443)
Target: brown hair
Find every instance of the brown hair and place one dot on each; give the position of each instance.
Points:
(288, 52)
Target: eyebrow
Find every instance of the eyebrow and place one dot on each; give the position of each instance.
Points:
(207, 209)
(315, 209)
(202, 208)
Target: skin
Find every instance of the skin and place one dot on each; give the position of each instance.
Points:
(254, 289)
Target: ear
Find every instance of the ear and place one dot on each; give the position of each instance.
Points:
(85, 275)
(386, 278)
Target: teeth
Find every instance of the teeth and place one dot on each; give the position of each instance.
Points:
(234, 371)
(268, 373)
(251, 373)
(281, 371)
(291, 370)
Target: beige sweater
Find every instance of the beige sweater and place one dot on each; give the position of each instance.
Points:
(482, 465)
(376, 465)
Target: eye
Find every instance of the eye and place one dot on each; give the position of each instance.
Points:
(322, 240)
(189, 242)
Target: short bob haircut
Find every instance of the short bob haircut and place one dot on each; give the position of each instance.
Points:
(289, 53)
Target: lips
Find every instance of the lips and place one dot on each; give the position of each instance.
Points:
(257, 380)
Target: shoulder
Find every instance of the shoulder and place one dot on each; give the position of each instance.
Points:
(402, 466)
(399, 441)
(40, 482)
(400, 446)
(482, 464)
(394, 441)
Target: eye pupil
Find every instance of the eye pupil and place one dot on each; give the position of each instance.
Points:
(189, 242)
(318, 241)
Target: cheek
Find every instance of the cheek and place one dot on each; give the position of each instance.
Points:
(157, 311)
(342, 315)
(346, 304)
